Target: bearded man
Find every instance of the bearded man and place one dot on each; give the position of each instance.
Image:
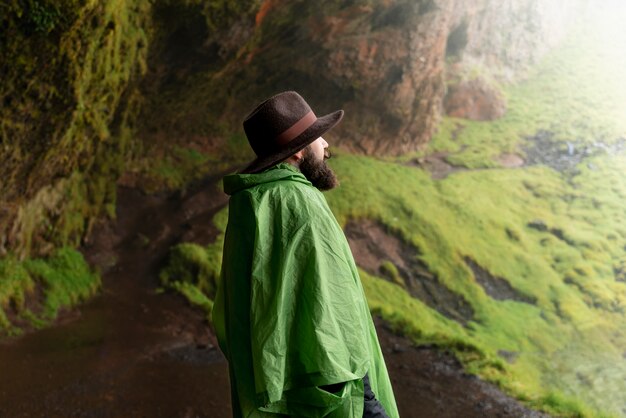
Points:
(290, 313)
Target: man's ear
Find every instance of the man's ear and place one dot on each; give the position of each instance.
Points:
(298, 155)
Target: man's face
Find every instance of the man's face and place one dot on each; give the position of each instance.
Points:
(313, 165)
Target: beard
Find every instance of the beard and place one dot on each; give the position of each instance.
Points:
(317, 171)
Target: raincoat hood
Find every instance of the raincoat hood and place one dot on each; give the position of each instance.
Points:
(234, 183)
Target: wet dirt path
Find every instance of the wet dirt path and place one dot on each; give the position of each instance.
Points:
(129, 352)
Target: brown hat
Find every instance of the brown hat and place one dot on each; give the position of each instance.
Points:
(281, 126)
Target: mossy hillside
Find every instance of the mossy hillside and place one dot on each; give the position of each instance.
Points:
(485, 215)
(575, 92)
(64, 278)
(426, 326)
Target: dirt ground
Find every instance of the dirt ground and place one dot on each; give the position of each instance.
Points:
(431, 383)
(134, 352)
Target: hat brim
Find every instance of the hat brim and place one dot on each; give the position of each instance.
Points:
(321, 125)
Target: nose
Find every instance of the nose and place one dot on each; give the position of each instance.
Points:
(324, 143)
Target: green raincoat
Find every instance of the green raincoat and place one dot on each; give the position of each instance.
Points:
(290, 313)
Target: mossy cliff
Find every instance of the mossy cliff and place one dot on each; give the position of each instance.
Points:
(156, 90)
(67, 122)
(72, 78)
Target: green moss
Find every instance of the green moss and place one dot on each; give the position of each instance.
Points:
(190, 263)
(69, 122)
(43, 17)
(193, 270)
(560, 405)
(389, 270)
(423, 326)
(67, 278)
(195, 296)
(64, 279)
(16, 283)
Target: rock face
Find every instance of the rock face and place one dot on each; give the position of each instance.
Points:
(393, 67)
(385, 62)
(87, 88)
(512, 34)
(475, 100)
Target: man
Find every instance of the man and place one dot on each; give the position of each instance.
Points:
(290, 313)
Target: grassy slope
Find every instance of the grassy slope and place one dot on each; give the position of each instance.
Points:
(468, 214)
(570, 342)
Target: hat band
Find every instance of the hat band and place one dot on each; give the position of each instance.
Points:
(297, 128)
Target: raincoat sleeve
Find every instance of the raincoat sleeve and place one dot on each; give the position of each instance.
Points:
(307, 314)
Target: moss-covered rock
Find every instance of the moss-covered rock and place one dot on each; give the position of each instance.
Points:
(33, 291)
(193, 270)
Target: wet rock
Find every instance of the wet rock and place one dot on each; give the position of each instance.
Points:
(541, 226)
(195, 354)
(619, 271)
(397, 348)
(474, 100)
(496, 287)
(510, 160)
(437, 165)
(509, 356)
(557, 232)
(564, 156)
(538, 224)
